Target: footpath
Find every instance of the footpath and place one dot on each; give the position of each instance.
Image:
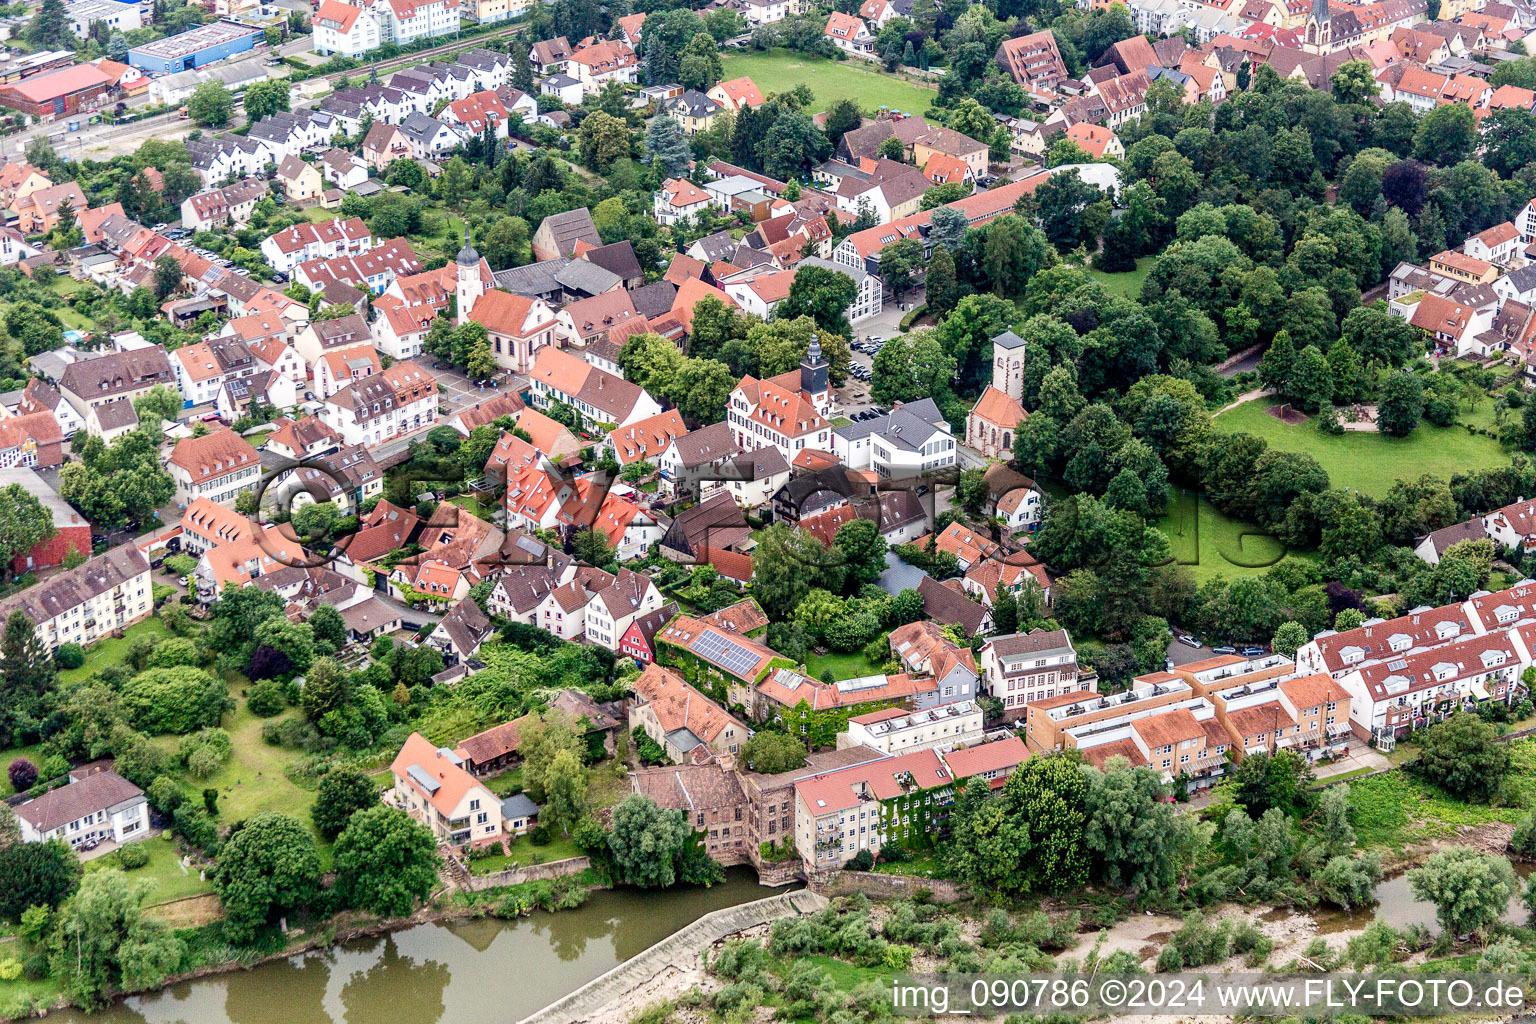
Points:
(678, 953)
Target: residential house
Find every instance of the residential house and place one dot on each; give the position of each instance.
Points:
(911, 440)
(849, 34)
(598, 397)
(897, 800)
(681, 719)
(394, 402)
(219, 466)
(1024, 667)
(899, 731)
(101, 807)
(342, 29)
(432, 786)
(301, 181)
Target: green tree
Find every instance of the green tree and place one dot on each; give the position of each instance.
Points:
(386, 863)
(342, 792)
(565, 792)
(647, 843)
(943, 288)
(1470, 890)
(27, 676)
(1138, 840)
(211, 104)
(770, 753)
(36, 875)
(602, 139)
(1355, 82)
(167, 275)
(1280, 780)
(24, 523)
(823, 295)
(592, 547)
(1446, 135)
(666, 144)
(104, 944)
(1462, 756)
(327, 688)
(263, 99)
(1401, 403)
(268, 867)
(1288, 637)
(862, 549)
(49, 28)
(899, 264)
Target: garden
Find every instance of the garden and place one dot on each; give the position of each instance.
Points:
(781, 70)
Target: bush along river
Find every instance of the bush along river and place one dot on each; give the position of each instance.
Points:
(469, 971)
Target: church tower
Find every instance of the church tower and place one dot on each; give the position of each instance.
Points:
(813, 375)
(469, 287)
(1319, 28)
(1008, 365)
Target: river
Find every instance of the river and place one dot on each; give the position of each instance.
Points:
(483, 971)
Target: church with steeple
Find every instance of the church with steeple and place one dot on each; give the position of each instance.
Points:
(1317, 35)
(516, 327)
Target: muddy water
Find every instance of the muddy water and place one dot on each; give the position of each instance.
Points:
(1397, 906)
(469, 972)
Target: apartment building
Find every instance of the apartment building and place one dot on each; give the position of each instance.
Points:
(1047, 720)
(899, 731)
(219, 466)
(1181, 740)
(893, 800)
(1307, 714)
(384, 405)
(84, 604)
(1024, 667)
(787, 411)
(329, 239)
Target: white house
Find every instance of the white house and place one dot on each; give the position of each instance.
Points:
(911, 440)
(596, 65)
(219, 466)
(326, 240)
(100, 807)
(343, 29)
(405, 21)
(396, 401)
(849, 34)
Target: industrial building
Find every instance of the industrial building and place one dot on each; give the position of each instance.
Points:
(58, 93)
(195, 47)
(119, 17)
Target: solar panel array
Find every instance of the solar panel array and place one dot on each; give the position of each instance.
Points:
(729, 655)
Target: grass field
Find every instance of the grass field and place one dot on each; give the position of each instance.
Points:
(1371, 463)
(111, 651)
(253, 780)
(172, 881)
(857, 80)
(1128, 283)
(1208, 543)
(1395, 810)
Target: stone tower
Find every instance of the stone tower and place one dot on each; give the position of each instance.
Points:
(1319, 28)
(469, 287)
(1008, 365)
(813, 373)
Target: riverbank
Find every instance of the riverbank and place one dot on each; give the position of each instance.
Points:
(672, 966)
(447, 961)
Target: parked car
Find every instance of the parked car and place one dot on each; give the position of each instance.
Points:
(1253, 652)
(1225, 649)
(1188, 641)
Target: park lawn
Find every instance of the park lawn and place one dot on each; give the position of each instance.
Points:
(858, 80)
(319, 214)
(112, 651)
(1209, 543)
(1371, 463)
(843, 666)
(253, 781)
(523, 853)
(1127, 283)
(172, 881)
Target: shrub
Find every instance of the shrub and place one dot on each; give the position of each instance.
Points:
(267, 698)
(52, 768)
(538, 835)
(132, 857)
(69, 656)
(23, 774)
(1521, 844)
(174, 700)
(862, 861)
